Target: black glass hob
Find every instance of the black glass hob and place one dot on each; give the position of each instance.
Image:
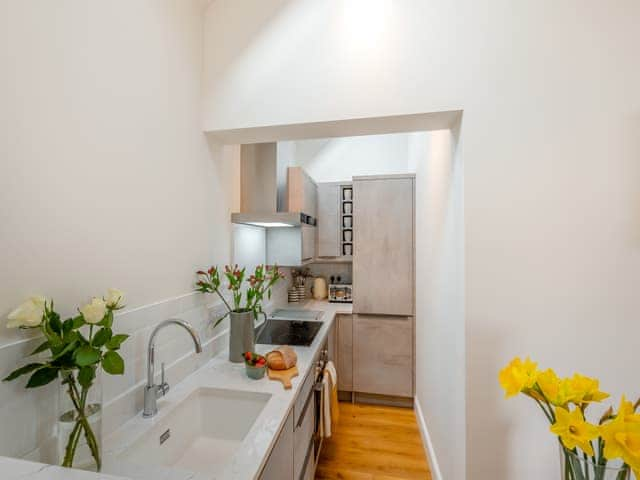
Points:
(288, 332)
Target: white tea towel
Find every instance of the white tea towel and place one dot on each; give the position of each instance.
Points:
(329, 399)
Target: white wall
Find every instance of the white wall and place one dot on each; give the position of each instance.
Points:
(440, 358)
(339, 159)
(105, 180)
(551, 131)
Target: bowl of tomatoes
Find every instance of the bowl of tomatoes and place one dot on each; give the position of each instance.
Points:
(255, 365)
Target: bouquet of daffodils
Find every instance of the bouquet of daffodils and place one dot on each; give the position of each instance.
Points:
(588, 450)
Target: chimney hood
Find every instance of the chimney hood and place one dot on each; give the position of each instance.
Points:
(273, 194)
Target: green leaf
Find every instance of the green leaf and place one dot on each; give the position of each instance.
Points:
(87, 355)
(86, 376)
(116, 341)
(112, 363)
(41, 348)
(67, 326)
(42, 377)
(102, 337)
(65, 350)
(78, 322)
(107, 321)
(55, 323)
(22, 370)
(72, 336)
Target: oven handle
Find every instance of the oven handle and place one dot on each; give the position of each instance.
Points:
(312, 393)
(317, 386)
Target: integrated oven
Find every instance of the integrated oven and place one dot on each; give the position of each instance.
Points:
(314, 402)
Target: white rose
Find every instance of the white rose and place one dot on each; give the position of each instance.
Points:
(95, 311)
(28, 314)
(114, 297)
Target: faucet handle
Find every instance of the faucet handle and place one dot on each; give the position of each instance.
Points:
(163, 388)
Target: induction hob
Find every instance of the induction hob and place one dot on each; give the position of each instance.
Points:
(289, 330)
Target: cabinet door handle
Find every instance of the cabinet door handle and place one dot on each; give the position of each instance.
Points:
(306, 407)
(306, 460)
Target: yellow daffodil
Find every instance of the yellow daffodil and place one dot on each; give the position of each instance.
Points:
(573, 430)
(558, 391)
(586, 389)
(518, 376)
(627, 412)
(622, 436)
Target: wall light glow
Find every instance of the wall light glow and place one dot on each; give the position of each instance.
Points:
(366, 21)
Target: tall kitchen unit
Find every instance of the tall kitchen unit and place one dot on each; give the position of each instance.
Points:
(383, 322)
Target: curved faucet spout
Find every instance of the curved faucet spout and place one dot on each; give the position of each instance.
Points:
(152, 391)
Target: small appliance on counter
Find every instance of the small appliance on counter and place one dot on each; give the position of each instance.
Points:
(340, 293)
(319, 289)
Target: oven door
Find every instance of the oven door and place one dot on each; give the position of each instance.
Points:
(317, 399)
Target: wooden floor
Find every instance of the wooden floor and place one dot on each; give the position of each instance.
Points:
(374, 443)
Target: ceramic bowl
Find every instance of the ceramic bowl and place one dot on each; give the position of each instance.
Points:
(255, 372)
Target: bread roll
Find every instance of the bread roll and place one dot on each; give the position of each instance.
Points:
(282, 358)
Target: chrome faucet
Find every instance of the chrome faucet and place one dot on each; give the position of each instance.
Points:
(151, 391)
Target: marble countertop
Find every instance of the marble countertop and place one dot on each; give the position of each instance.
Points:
(248, 460)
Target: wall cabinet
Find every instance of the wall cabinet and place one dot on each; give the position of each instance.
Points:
(383, 355)
(383, 250)
(328, 220)
(308, 242)
(290, 246)
(301, 192)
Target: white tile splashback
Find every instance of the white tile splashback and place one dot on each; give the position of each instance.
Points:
(28, 416)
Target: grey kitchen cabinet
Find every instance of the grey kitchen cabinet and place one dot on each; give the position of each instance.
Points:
(328, 220)
(383, 250)
(345, 352)
(279, 465)
(302, 192)
(383, 351)
(290, 246)
(308, 242)
(303, 432)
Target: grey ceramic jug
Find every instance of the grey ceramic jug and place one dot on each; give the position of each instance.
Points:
(242, 334)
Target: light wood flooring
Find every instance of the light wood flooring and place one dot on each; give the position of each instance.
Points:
(374, 443)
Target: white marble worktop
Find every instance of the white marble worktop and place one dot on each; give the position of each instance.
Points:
(248, 460)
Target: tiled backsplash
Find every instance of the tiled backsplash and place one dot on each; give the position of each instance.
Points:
(326, 270)
(28, 416)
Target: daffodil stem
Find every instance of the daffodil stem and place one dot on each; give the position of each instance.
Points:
(586, 465)
(546, 414)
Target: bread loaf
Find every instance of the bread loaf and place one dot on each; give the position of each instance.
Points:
(282, 358)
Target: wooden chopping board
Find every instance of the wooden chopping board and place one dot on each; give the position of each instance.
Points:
(284, 376)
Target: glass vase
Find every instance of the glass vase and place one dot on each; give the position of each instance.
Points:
(80, 420)
(576, 466)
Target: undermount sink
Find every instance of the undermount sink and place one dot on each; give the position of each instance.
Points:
(201, 433)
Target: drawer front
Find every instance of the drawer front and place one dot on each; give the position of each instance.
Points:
(279, 466)
(303, 435)
(298, 407)
(383, 355)
(309, 469)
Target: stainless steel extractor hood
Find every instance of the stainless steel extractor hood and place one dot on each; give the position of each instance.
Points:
(264, 190)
